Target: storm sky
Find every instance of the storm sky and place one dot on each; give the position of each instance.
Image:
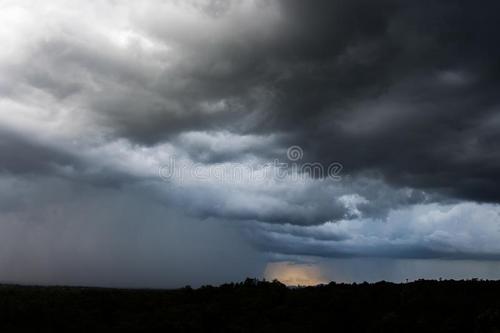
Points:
(162, 143)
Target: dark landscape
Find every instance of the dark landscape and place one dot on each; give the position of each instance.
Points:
(258, 306)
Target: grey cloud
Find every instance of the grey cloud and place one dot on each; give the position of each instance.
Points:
(296, 199)
(373, 86)
(404, 95)
(458, 231)
(402, 89)
(19, 155)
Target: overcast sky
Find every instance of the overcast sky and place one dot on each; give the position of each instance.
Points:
(162, 143)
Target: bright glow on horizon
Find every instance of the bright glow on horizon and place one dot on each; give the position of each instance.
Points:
(293, 274)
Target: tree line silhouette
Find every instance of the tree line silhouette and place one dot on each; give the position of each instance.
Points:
(258, 306)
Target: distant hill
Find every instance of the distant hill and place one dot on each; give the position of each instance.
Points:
(258, 306)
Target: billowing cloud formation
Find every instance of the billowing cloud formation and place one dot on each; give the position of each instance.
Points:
(101, 96)
(463, 231)
(406, 90)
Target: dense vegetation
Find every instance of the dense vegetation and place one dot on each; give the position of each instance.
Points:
(422, 306)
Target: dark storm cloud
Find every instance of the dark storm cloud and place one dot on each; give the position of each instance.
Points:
(404, 90)
(404, 95)
(408, 90)
(20, 155)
